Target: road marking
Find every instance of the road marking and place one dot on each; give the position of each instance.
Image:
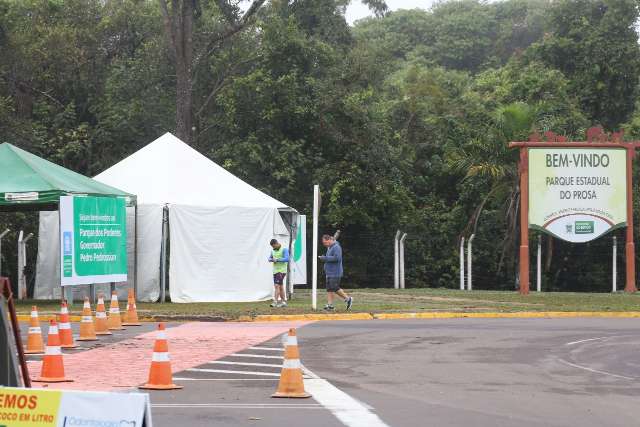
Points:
(351, 412)
(587, 340)
(224, 379)
(268, 365)
(267, 348)
(595, 371)
(222, 371)
(239, 405)
(259, 356)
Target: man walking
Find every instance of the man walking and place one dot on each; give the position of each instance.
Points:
(333, 272)
(280, 259)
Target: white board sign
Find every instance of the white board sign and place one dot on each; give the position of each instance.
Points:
(299, 250)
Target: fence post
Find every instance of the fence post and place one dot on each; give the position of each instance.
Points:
(4, 233)
(396, 260)
(469, 262)
(539, 266)
(402, 239)
(462, 264)
(314, 262)
(614, 260)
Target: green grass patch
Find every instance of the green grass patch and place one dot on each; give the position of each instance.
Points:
(386, 301)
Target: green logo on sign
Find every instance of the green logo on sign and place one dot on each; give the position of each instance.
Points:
(584, 227)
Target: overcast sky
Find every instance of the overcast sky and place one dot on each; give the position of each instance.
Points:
(357, 10)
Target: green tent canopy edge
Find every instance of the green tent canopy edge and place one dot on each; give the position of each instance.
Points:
(29, 182)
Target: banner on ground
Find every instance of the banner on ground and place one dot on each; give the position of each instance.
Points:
(93, 240)
(23, 407)
(299, 265)
(577, 194)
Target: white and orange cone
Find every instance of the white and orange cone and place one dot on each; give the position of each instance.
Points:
(35, 344)
(66, 335)
(102, 324)
(291, 383)
(87, 329)
(52, 363)
(114, 321)
(160, 371)
(131, 316)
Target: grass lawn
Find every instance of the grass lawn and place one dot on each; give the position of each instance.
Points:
(384, 301)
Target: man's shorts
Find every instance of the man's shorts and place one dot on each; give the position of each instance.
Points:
(333, 284)
(278, 278)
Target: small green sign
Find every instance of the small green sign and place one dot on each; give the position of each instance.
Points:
(94, 240)
(584, 227)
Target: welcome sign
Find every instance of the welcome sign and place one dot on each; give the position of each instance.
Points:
(93, 239)
(577, 194)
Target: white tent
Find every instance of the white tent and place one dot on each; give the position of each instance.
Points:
(219, 226)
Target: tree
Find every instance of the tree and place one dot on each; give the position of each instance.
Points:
(595, 44)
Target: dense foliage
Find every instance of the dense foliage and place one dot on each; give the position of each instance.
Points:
(402, 118)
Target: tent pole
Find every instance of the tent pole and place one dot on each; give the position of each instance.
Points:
(163, 255)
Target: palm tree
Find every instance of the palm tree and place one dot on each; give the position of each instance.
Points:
(489, 159)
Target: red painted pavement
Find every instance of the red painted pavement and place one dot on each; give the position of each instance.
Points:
(126, 364)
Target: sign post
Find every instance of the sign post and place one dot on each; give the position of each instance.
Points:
(577, 192)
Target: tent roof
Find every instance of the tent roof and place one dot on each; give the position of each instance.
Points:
(169, 171)
(27, 180)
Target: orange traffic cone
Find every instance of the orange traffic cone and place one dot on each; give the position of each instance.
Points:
(160, 372)
(114, 322)
(52, 363)
(131, 316)
(102, 325)
(66, 336)
(87, 330)
(35, 345)
(291, 383)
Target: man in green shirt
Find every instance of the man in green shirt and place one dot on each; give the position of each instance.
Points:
(280, 259)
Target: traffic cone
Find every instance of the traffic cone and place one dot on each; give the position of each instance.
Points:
(160, 372)
(291, 383)
(102, 324)
(35, 345)
(66, 336)
(87, 329)
(52, 363)
(131, 316)
(114, 322)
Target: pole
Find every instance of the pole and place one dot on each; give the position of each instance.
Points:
(402, 239)
(524, 221)
(396, 261)
(630, 253)
(614, 262)
(539, 266)
(4, 233)
(163, 255)
(462, 264)
(469, 262)
(23, 294)
(135, 251)
(314, 272)
(20, 264)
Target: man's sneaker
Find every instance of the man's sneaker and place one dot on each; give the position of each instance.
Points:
(273, 304)
(329, 308)
(281, 304)
(349, 303)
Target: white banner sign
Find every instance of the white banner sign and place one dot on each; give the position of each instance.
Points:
(299, 264)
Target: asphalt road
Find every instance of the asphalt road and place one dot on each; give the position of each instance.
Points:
(458, 372)
(484, 372)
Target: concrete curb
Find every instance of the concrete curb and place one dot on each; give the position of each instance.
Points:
(371, 316)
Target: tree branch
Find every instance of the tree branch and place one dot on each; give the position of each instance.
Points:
(168, 27)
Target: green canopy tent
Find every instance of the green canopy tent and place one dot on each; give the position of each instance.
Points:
(31, 183)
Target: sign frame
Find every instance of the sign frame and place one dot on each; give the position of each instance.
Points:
(596, 138)
(69, 244)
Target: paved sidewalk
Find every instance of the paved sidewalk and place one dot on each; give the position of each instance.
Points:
(125, 364)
